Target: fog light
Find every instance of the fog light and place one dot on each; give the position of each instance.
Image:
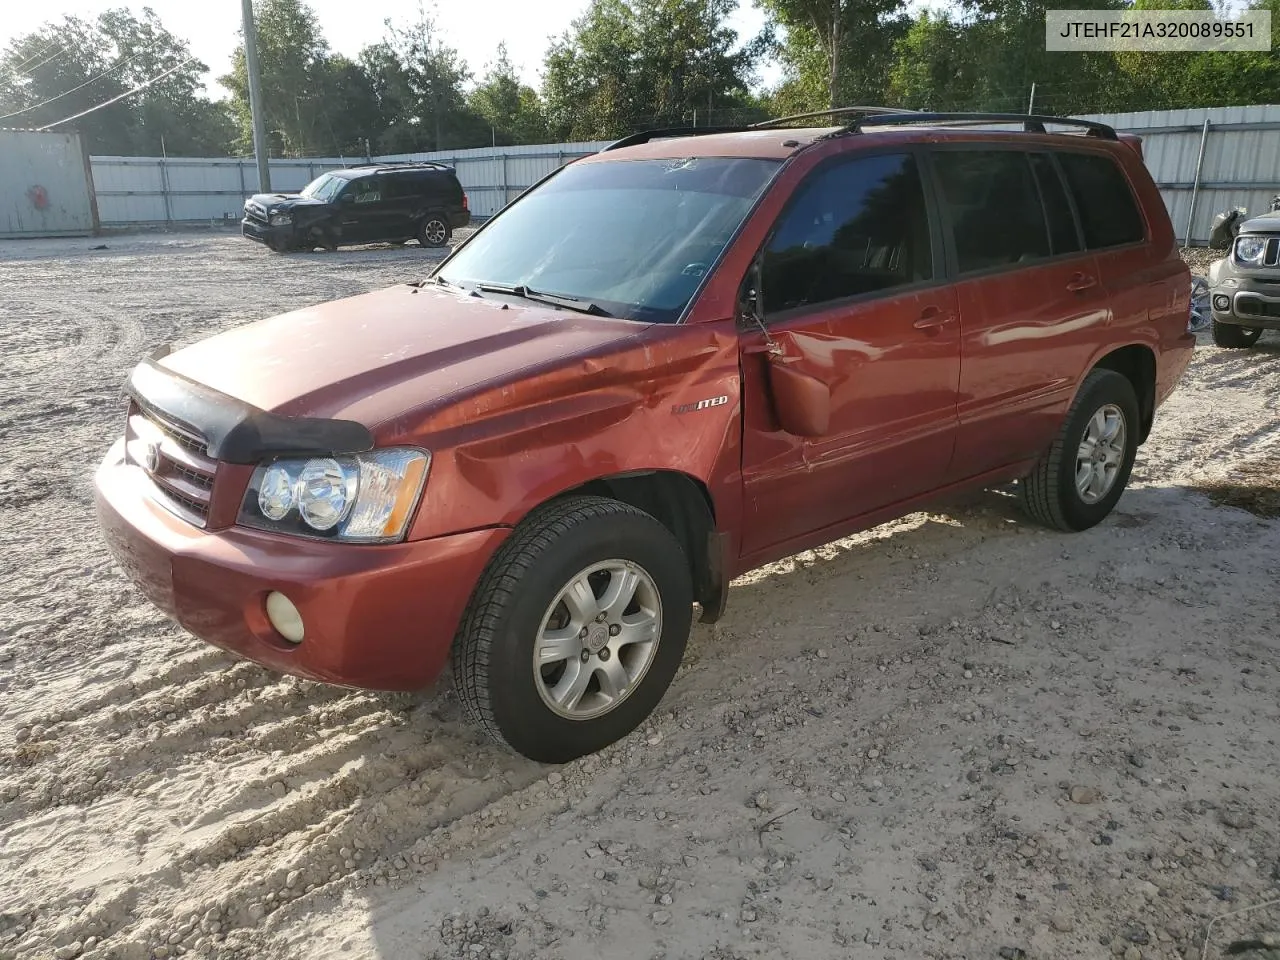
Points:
(1221, 303)
(284, 616)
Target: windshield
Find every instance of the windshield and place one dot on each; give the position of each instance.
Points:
(634, 237)
(324, 187)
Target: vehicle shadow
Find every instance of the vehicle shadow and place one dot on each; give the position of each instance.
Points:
(820, 599)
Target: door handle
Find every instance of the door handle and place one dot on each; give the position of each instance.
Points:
(933, 319)
(1081, 281)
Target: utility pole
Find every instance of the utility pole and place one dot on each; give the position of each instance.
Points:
(255, 98)
(1032, 102)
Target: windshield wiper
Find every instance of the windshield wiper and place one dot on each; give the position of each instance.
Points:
(551, 299)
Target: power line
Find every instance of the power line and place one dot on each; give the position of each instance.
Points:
(27, 70)
(35, 56)
(127, 93)
(111, 69)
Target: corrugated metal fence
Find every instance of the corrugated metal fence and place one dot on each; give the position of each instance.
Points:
(1240, 165)
(175, 189)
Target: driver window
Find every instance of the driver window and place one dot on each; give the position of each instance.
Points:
(856, 228)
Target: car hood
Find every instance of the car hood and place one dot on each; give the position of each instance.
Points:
(376, 357)
(273, 202)
(1263, 223)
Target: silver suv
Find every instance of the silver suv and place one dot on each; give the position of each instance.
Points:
(1244, 287)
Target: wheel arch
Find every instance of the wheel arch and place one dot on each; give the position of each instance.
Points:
(684, 505)
(1137, 363)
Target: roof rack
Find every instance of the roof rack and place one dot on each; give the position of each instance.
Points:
(835, 112)
(645, 136)
(873, 116)
(381, 164)
(1031, 123)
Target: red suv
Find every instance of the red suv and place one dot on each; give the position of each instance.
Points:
(668, 363)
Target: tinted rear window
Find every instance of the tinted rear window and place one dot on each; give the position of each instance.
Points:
(1057, 209)
(993, 207)
(1108, 213)
(402, 185)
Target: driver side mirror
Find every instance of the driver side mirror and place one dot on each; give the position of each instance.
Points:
(801, 397)
(801, 400)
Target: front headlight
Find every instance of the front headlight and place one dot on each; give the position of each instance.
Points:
(364, 498)
(1251, 250)
(281, 219)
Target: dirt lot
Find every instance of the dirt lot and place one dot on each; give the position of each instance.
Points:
(955, 736)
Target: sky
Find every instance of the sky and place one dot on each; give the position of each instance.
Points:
(474, 27)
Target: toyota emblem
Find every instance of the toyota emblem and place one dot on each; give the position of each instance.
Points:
(152, 462)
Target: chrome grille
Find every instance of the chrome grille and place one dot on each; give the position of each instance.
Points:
(176, 460)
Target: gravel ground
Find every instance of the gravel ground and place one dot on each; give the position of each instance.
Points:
(953, 736)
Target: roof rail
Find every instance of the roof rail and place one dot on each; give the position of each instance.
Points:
(834, 112)
(379, 164)
(872, 116)
(1031, 123)
(645, 136)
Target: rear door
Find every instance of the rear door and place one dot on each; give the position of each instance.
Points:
(1031, 301)
(403, 199)
(1134, 273)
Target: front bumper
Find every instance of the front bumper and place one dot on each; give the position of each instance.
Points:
(377, 617)
(1251, 303)
(264, 233)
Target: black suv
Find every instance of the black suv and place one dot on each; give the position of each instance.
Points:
(388, 202)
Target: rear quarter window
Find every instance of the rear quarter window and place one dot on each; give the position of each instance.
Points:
(1108, 211)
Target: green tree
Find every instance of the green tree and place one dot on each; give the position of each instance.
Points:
(836, 52)
(512, 110)
(293, 58)
(429, 78)
(625, 64)
(1199, 79)
(172, 115)
(348, 106)
(74, 65)
(933, 61)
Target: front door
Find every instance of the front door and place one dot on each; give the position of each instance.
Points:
(853, 293)
(361, 206)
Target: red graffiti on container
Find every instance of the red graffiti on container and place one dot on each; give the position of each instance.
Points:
(39, 197)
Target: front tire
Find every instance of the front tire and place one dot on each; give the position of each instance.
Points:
(1231, 335)
(1081, 477)
(575, 630)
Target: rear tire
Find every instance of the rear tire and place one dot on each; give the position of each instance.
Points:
(1231, 335)
(434, 232)
(575, 630)
(1083, 474)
